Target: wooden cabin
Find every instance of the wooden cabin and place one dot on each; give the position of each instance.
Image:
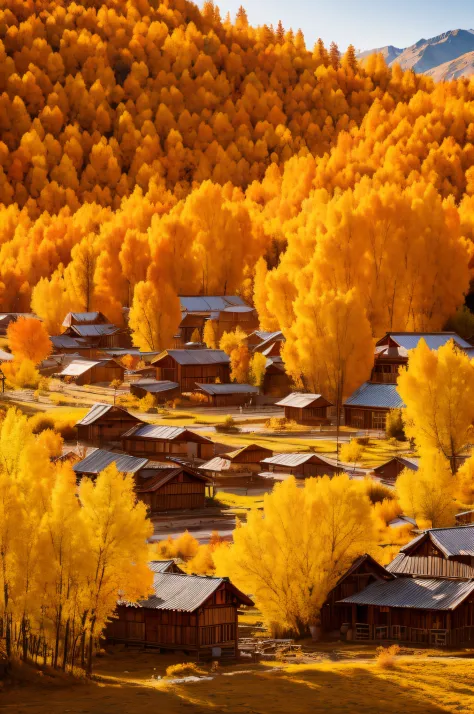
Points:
(84, 318)
(99, 336)
(429, 598)
(190, 613)
(165, 566)
(172, 487)
(161, 391)
(7, 317)
(390, 470)
(276, 382)
(465, 518)
(226, 312)
(99, 459)
(391, 351)
(310, 409)
(159, 442)
(271, 345)
(104, 423)
(228, 395)
(246, 460)
(257, 337)
(83, 371)
(303, 465)
(368, 406)
(363, 571)
(186, 367)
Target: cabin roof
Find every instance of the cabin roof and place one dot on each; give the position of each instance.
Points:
(209, 303)
(302, 400)
(98, 410)
(84, 317)
(409, 462)
(186, 593)
(184, 357)
(297, 459)
(371, 394)
(384, 572)
(430, 566)
(458, 540)
(218, 463)
(162, 566)
(157, 476)
(156, 387)
(269, 340)
(248, 447)
(416, 593)
(94, 330)
(66, 342)
(220, 389)
(81, 366)
(6, 356)
(99, 459)
(434, 340)
(168, 433)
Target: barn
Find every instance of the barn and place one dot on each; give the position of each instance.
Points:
(159, 442)
(172, 487)
(309, 409)
(99, 336)
(84, 318)
(99, 459)
(161, 391)
(84, 371)
(104, 423)
(390, 470)
(192, 613)
(246, 460)
(303, 465)
(368, 406)
(276, 382)
(228, 395)
(186, 367)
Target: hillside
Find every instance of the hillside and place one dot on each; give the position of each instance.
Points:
(446, 56)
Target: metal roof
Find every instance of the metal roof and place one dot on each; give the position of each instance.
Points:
(185, 593)
(270, 339)
(155, 387)
(164, 433)
(434, 340)
(371, 394)
(66, 342)
(94, 330)
(156, 477)
(194, 356)
(6, 356)
(215, 389)
(94, 413)
(99, 459)
(296, 459)
(417, 593)
(164, 566)
(409, 462)
(85, 317)
(430, 566)
(458, 540)
(300, 400)
(216, 464)
(80, 366)
(210, 303)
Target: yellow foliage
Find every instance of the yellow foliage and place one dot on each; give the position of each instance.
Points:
(28, 340)
(209, 335)
(21, 374)
(386, 656)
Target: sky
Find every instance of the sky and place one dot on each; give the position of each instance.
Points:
(366, 24)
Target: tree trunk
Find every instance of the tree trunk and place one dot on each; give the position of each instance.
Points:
(66, 646)
(58, 633)
(91, 643)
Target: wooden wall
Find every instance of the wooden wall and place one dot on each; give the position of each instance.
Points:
(187, 375)
(159, 449)
(108, 428)
(310, 416)
(363, 417)
(101, 373)
(183, 492)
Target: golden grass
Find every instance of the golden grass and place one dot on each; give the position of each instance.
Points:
(232, 500)
(284, 444)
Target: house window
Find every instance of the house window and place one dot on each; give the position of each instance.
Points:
(357, 418)
(379, 420)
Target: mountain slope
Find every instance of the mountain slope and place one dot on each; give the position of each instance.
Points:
(389, 52)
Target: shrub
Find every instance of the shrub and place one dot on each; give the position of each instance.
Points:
(282, 424)
(227, 426)
(185, 669)
(361, 440)
(67, 430)
(22, 374)
(394, 428)
(41, 422)
(386, 656)
(377, 492)
(147, 404)
(197, 398)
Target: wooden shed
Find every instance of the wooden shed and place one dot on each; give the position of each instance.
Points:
(172, 487)
(99, 459)
(82, 371)
(159, 442)
(191, 613)
(228, 395)
(276, 382)
(246, 460)
(84, 318)
(368, 406)
(186, 367)
(104, 423)
(100, 336)
(390, 470)
(161, 391)
(302, 465)
(310, 409)
(226, 312)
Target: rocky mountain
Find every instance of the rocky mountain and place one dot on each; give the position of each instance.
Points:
(446, 56)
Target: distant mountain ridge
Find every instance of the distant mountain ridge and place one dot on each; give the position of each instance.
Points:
(447, 56)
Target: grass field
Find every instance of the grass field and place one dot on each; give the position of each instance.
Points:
(127, 684)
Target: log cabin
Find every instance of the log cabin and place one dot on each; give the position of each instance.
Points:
(226, 312)
(161, 391)
(191, 613)
(104, 423)
(309, 409)
(159, 442)
(390, 470)
(305, 464)
(276, 382)
(271, 346)
(83, 371)
(99, 336)
(186, 367)
(246, 460)
(429, 597)
(228, 395)
(368, 406)
(172, 487)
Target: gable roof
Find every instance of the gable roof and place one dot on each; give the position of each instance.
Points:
(66, 342)
(371, 394)
(99, 459)
(434, 340)
(86, 318)
(417, 593)
(185, 593)
(458, 540)
(218, 463)
(244, 449)
(269, 340)
(79, 366)
(164, 566)
(157, 475)
(297, 459)
(215, 389)
(430, 566)
(366, 558)
(210, 303)
(194, 356)
(152, 386)
(94, 330)
(99, 410)
(301, 400)
(408, 462)
(168, 433)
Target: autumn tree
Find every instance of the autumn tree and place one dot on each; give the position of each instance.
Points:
(438, 391)
(154, 316)
(258, 367)
(209, 335)
(29, 340)
(291, 554)
(234, 345)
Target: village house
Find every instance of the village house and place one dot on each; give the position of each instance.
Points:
(191, 613)
(246, 460)
(83, 371)
(276, 382)
(99, 336)
(100, 459)
(310, 409)
(160, 391)
(305, 464)
(172, 487)
(84, 318)
(427, 596)
(228, 395)
(390, 470)
(271, 345)
(165, 566)
(66, 345)
(159, 442)
(226, 312)
(186, 367)
(7, 317)
(368, 406)
(105, 423)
